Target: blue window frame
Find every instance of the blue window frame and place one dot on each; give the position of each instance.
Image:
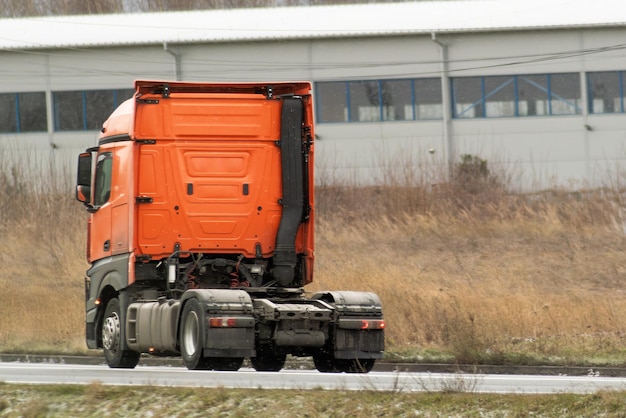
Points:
(517, 95)
(378, 100)
(606, 91)
(85, 110)
(23, 112)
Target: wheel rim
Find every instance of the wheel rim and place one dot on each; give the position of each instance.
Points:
(190, 334)
(111, 332)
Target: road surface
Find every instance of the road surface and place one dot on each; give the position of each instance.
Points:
(42, 373)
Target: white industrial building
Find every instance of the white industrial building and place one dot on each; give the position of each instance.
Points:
(537, 86)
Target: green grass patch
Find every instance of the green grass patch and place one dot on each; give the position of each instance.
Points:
(97, 400)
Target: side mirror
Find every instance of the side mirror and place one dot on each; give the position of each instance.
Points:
(83, 194)
(83, 178)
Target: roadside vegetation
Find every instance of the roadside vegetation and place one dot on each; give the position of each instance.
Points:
(472, 271)
(97, 400)
(468, 269)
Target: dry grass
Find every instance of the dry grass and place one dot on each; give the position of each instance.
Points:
(42, 252)
(482, 273)
(470, 270)
(481, 291)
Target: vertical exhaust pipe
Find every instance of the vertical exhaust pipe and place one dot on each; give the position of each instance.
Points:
(285, 257)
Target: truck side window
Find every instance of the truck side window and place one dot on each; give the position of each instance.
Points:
(103, 179)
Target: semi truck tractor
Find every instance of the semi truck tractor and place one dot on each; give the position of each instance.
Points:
(200, 234)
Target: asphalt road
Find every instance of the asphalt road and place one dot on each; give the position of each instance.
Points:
(176, 376)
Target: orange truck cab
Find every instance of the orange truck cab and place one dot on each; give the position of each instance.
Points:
(200, 234)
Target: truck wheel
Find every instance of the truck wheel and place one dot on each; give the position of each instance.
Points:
(327, 363)
(111, 339)
(225, 364)
(192, 337)
(268, 362)
(363, 365)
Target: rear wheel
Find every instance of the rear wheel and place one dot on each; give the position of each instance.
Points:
(364, 365)
(226, 364)
(268, 361)
(192, 337)
(327, 363)
(112, 340)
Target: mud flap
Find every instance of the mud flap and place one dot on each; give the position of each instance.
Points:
(228, 320)
(358, 331)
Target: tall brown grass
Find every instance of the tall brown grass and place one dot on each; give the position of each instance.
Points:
(471, 268)
(468, 269)
(42, 252)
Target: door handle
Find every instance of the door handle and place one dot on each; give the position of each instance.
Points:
(107, 245)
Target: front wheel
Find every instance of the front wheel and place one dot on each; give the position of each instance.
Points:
(115, 356)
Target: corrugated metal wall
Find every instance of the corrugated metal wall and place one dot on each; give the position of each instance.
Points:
(542, 150)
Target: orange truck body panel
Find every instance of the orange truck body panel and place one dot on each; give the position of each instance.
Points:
(209, 163)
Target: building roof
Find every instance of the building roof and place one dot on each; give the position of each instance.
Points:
(302, 22)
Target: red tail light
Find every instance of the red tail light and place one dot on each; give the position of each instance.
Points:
(372, 324)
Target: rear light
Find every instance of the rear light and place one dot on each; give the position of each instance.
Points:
(233, 322)
(362, 324)
(222, 322)
(372, 324)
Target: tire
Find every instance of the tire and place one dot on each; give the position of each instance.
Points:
(327, 363)
(363, 365)
(116, 358)
(268, 361)
(192, 337)
(225, 364)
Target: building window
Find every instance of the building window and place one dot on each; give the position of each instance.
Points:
(564, 94)
(532, 96)
(378, 100)
(331, 101)
(500, 99)
(606, 91)
(468, 93)
(23, 112)
(98, 107)
(521, 95)
(68, 111)
(427, 93)
(8, 113)
(85, 110)
(364, 98)
(397, 99)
